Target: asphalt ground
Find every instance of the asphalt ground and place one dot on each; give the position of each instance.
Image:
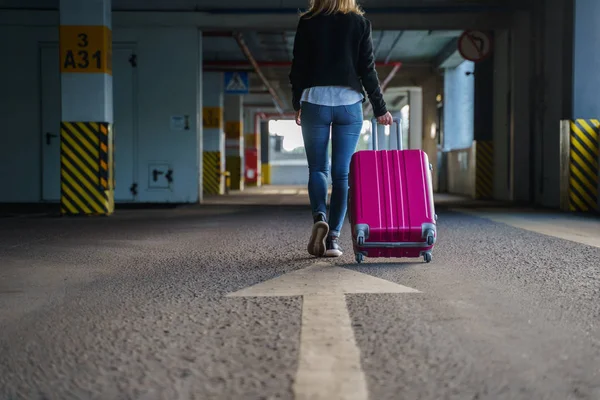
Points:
(134, 306)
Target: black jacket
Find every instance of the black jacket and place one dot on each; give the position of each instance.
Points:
(335, 50)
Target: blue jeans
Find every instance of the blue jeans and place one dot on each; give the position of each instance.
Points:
(346, 123)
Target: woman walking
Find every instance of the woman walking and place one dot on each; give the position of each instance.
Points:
(333, 61)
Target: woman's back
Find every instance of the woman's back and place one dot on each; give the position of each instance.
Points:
(333, 41)
(335, 50)
(333, 60)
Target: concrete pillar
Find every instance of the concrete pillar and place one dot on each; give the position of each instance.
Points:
(234, 145)
(87, 171)
(252, 167)
(213, 156)
(415, 132)
(522, 160)
(430, 89)
(552, 59)
(497, 150)
(483, 125)
(459, 96)
(584, 180)
(264, 153)
(586, 59)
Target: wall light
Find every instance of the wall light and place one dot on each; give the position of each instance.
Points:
(433, 131)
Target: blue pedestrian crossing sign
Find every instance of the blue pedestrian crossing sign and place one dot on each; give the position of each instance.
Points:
(236, 82)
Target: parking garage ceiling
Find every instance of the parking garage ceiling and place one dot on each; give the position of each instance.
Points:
(209, 5)
(419, 51)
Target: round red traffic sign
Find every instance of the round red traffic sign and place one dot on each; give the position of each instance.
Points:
(475, 45)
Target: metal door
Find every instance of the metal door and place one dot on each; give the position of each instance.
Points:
(124, 129)
(50, 95)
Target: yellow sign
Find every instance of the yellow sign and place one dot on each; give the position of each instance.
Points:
(251, 140)
(233, 129)
(212, 117)
(86, 49)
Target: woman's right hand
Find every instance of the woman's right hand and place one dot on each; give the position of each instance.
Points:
(385, 119)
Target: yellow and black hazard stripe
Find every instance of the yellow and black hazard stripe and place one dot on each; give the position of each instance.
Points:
(211, 171)
(266, 174)
(484, 169)
(85, 173)
(583, 166)
(234, 166)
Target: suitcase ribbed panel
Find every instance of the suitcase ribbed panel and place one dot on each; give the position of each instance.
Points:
(391, 191)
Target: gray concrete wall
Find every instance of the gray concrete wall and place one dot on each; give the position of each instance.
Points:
(431, 88)
(160, 91)
(459, 98)
(520, 126)
(586, 60)
(461, 172)
(552, 90)
(293, 174)
(502, 116)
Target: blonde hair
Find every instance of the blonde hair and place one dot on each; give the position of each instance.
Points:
(332, 7)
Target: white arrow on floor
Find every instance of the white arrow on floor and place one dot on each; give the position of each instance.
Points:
(329, 367)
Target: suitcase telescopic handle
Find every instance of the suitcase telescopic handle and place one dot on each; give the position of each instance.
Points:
(398, 133)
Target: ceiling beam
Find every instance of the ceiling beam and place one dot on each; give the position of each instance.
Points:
(257, 105)
(424, 20)
(447, 51)
(217, 34)
(398, 101)
(275, 64)
(386, 20)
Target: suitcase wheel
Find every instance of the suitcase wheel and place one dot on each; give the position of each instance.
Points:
(430, 237)
(361, 240)
(359, 257)
(427, 257)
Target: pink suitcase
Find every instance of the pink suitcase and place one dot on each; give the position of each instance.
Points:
(390, 202)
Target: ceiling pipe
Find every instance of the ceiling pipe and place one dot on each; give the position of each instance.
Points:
(392, 73)
(385, 84)
(390, 76)
(240, 40)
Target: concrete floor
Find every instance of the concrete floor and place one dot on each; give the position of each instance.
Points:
(135, 306)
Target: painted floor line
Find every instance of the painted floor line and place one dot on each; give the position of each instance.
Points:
(329, 365)
(584, 232)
